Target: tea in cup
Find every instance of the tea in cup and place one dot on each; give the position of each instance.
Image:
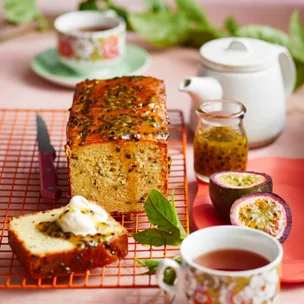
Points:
(90, 41)
(226, 265)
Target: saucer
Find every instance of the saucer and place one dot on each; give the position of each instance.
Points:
(48, 66)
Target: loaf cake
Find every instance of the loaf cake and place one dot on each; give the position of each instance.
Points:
(45, 250)
(117, 142)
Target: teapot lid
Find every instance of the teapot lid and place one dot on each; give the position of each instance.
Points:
(236, 54)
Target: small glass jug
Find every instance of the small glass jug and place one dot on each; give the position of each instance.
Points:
(220, 142)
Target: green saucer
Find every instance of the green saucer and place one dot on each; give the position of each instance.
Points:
(47, 65)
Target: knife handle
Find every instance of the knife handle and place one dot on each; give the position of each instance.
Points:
(48, 176)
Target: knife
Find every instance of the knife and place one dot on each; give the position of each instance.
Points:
(47, 155)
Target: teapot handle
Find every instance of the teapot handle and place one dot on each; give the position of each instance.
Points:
(288, 70)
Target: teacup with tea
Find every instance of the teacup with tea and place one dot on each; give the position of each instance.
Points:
(90, 41)
(226, 265)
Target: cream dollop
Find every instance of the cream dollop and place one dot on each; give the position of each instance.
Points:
(81, 217)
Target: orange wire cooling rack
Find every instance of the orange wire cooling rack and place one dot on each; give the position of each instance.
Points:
(19, 194)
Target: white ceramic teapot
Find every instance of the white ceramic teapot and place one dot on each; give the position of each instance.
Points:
(256, 73)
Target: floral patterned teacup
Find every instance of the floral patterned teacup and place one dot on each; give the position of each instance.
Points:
(201, 285)
(88, 51)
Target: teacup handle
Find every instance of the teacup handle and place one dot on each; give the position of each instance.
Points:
(176, 289)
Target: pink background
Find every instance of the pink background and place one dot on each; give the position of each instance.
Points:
(21, 88)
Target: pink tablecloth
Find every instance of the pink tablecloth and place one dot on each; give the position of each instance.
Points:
(22, 88)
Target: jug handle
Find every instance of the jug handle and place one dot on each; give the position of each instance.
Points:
(288, 70)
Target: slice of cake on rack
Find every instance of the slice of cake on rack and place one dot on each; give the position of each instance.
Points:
(117, 142)
(74, 238)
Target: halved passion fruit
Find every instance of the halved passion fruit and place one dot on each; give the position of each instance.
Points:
(264, 211)
(228, 186)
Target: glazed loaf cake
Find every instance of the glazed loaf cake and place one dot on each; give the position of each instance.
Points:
(46, 251)
(117, 142)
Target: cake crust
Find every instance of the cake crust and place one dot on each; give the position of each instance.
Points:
(127, 108)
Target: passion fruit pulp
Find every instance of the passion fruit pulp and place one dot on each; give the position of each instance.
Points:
(263, 211)
(228, 186)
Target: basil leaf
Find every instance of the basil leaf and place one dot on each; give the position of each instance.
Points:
(156, 6)
(300, 74)
(265, 33)
(157, 237)
(149, 263)
(169, 275)
(155, 263)
(89, 5)
(193, 11)
(198, 36)
(183, 233)
(296, 37)
(162, 29)
(122, 12)
(21, 11)
(159, 211)
(231, 26)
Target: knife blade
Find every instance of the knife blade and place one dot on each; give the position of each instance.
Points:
(47, 155)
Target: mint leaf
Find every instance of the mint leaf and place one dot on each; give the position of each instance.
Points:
(156, 6)
(231, 26)
(21, 11)
(89, 5)
(157, 237)
(193, 11)
(296, 32)
(163, 29)
(265, 33)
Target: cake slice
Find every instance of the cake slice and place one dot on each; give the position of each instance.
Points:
(45, 250)
(117, 142)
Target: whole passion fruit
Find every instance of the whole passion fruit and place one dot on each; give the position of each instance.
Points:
(228, 186)
(263, 211)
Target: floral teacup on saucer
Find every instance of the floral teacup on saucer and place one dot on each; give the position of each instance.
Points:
(90, 42)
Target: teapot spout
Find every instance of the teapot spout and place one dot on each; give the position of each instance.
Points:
(201, 88)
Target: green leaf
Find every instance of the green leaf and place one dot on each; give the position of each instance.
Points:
(123, 13)
(163, 29)
(156, 6)
(159, 211)
(169, 275)
(300, 74)
(183, 233)
(149, 263)
(155, 263)
(89, 5)
(231, 26)
(265, 33)
(296, 37)
(21, 11)
(198, 36)
(157, 237)
(193, 11)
